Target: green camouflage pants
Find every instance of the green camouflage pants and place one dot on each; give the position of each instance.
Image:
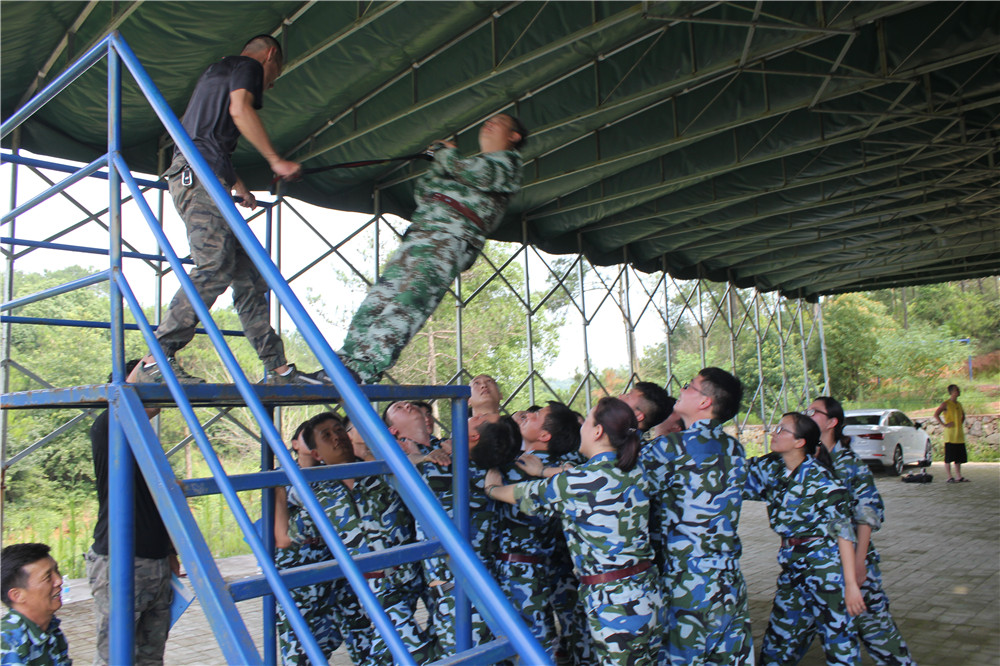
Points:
(411, 286)
(153, 596)
(220, 261)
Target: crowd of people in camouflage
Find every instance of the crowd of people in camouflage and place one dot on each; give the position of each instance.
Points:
(561, 508)
(562, 514)
(614, 533)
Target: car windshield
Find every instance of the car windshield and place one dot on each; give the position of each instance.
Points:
(862, 419)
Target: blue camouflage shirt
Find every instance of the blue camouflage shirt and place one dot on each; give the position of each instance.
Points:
(340, 504)
(604, 512)
(697, 479)
(23, 643)
(806, 501)
(866, 503)
(524, 534)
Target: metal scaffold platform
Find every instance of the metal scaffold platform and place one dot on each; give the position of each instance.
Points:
(135, 438)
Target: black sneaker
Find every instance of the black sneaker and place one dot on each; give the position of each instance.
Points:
(321, 375)
(296, 377)
(151, 374)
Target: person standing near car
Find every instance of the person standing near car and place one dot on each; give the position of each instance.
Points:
(954, 433)
(878, 633)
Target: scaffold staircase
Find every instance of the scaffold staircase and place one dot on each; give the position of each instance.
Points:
(136, 439)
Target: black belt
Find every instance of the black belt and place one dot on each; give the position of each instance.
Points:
(791, 542)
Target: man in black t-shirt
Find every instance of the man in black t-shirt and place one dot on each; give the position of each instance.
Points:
(223, 107)
(155, 557)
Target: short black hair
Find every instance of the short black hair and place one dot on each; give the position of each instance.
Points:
(322, 417)
(129, 367)
(725, 391)
(563, 429)
(658, 405)
(385, 412)
(14, 558)
(301, 429)
(499, 444)
(518, 127)
(262, 42)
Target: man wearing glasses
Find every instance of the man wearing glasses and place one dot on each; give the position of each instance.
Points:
(697, 478)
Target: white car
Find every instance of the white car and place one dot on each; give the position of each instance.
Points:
(887, 438)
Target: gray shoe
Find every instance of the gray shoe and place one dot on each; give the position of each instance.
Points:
(295, 377)
(151, 374)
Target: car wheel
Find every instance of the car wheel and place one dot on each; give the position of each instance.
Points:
(897, 461)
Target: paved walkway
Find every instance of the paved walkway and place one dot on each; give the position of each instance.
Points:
(939, 559)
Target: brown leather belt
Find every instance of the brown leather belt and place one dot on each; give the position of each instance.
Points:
(460, 208)
(518, 557)
(617, 574)
(791, 542)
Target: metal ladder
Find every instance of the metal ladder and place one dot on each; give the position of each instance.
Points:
(135, 438)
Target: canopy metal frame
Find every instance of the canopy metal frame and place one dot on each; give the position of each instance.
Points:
(858, 132)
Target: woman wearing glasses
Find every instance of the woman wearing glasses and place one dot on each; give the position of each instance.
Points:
(811, 513)
(877, 631)
(604, 508)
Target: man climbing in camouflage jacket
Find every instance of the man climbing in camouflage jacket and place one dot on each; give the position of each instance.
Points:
(460, 201)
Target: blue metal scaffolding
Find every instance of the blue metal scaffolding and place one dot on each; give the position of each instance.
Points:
(136, 440)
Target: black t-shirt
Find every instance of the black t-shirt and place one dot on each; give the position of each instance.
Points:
(151, 538)
(207, 117)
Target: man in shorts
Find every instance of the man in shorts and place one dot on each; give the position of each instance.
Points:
(954, 433)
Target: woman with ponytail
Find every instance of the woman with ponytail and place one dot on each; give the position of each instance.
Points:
(877, 631)
(604, 508)
(810, 511)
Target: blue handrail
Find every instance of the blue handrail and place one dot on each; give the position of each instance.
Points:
(413, 489)
(126, 407)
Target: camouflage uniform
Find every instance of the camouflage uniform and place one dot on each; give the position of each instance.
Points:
(389, 524)
(23, 643)
(153, 595)
(810, 591)
(876, 628)
(523, 568)
(697, 478)
(441, 609)
(575, 641)
(220, 262)
(331, 608)
(440, 243)
(604, 513)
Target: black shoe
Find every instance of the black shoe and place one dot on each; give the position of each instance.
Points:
(321, 375)
(295, 377)
(152, 374)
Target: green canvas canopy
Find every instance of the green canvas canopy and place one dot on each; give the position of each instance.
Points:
(808, 147)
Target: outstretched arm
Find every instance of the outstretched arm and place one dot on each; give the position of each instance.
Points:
(281, 539)
(249, 124)
(495, 488)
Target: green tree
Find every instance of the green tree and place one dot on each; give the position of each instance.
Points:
(494, 336)
(916, 356)
(853, 324)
